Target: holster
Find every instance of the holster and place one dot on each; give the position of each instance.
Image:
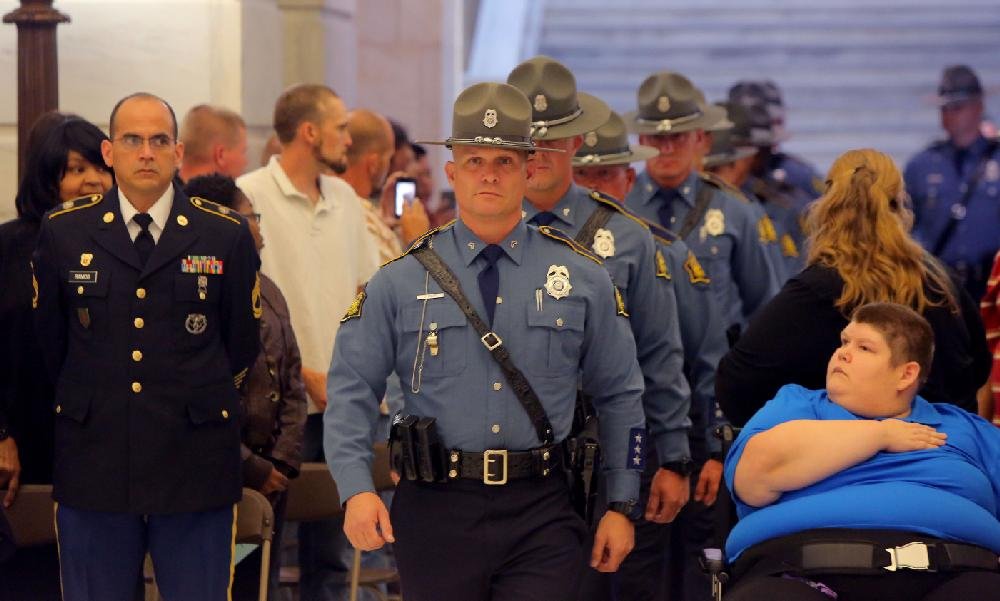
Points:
(583, 452)
(415, 449)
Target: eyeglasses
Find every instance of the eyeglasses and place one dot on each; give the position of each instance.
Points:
(254, 216)
(156, 142)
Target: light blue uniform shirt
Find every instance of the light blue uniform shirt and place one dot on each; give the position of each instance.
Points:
(553, 341)
(703, 331)
(743, 277)
(951, 492)
(652, 316)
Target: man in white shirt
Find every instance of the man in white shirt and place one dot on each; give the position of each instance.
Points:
(318, 253)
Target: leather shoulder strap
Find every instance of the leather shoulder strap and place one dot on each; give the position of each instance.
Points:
(515, 378)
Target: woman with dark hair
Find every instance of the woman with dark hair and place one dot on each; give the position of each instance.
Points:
(62, 162)
(859, 251)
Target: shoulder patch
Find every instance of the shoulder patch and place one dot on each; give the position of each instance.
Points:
(619, 303)
(661, 266)
(717, 182)
(213, 208)
(610, 202)
(354, 310)
(423, 239)
(788, 246)
(765, 230)
(552, 233)
(255, 305)
(696, 273)
(84, 202)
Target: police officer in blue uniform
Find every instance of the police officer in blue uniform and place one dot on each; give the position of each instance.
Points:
(777, 168)
(724, 232)
(147, 308)
(603, 164)
(731, 159)
(560, 117)
(489, 516)
(955, 184)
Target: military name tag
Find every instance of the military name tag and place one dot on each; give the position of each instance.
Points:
(201, 264)
(82, 277)
(195, 323)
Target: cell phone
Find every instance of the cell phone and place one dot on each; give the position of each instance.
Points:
(406, 191)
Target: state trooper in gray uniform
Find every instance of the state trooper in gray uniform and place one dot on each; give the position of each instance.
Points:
(560, 117)
(490, 375)
(603, 164)
(723, 231)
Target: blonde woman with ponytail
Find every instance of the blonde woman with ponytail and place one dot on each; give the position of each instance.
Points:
(859, 251)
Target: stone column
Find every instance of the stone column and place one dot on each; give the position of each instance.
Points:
(37, 65)
(321, 44)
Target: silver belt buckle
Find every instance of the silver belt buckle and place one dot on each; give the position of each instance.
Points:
(491, 340)
(489, 456)
(911, 556)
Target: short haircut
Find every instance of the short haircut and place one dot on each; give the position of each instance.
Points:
(419, 151)
(296, 105)
(908, 334)
(204, 126)
(368, 134)
(170, 109)
(49, 143)
(215, 187)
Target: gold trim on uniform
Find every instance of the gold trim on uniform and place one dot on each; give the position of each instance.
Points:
(354, 310)
(610, 202)
(661, 266)
(619, 303)
(766, 231)
(213, 208)
(554, 234)
(788, 246)
(34, 285)
(79, 203)
(696, 273)
(255, 305)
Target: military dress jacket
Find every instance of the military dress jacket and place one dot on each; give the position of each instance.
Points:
(557, 315)
(146, 360)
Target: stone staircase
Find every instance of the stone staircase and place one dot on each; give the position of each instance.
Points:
(854, 73)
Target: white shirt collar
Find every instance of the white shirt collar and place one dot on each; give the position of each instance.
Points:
(160, 212)
(288, 188)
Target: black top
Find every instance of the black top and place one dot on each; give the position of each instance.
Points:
(25, 387)
(791, 339)
(146, 355)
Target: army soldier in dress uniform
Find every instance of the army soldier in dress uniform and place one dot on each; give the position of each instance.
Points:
(731, 160)
(771, 164)
(560, 118)
(724, 232)
(147, 308)
(955, 184)
(603, 164)
(490, 372)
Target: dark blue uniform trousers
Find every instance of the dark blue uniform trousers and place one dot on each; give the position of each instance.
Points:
(101, 553)
(467, 541)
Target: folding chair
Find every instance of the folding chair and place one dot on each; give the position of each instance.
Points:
(313, 496)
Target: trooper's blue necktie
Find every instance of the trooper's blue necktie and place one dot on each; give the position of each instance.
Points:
(489, 279)
(543, 218)
(665, 211)
(144, 242)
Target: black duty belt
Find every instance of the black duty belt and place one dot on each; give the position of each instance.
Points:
(499, 466)
(931, 557)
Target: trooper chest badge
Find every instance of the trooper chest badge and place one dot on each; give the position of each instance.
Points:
(195, 323)
(715, 223)
(604, 243)
(557, 281)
